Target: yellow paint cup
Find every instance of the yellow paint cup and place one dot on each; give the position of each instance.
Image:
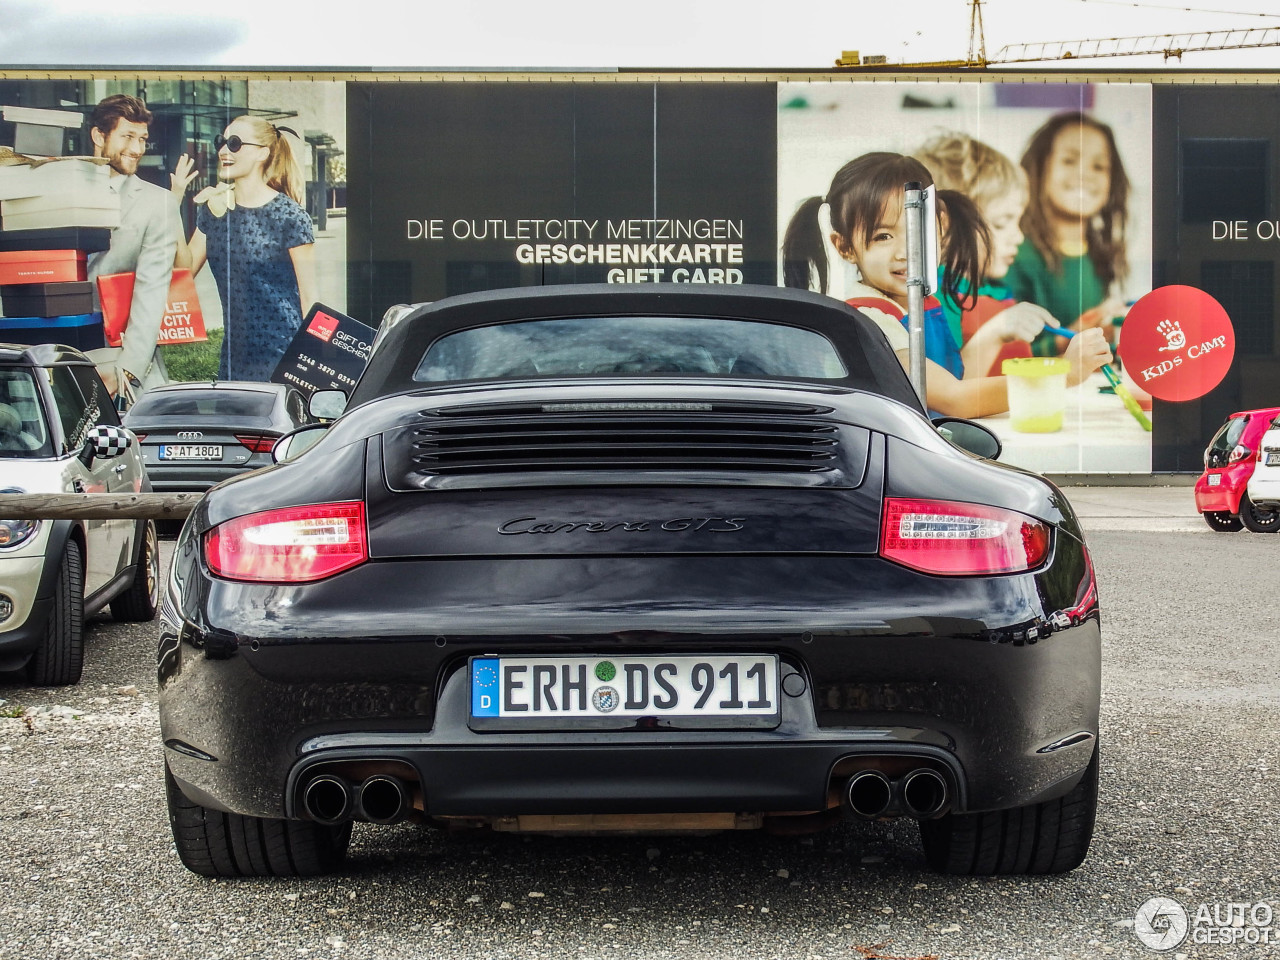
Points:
(1037, 393)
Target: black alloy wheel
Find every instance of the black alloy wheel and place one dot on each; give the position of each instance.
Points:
(1256, 519)
(138, 604)
(1221, 521)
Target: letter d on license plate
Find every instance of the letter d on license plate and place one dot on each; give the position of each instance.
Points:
(566, 693)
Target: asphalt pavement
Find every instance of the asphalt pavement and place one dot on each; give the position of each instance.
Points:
(1189, 812)
(1150, 509)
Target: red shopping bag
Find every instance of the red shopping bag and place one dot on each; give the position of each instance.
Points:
(182, 322)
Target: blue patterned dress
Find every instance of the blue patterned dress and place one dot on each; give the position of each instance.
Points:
(248, 252)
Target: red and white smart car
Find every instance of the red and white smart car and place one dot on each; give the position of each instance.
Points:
(1229, 461)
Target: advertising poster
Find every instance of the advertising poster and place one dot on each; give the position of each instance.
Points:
(329, 352)
(468, 187)
(190, 223)
(1061, 175)
(1094, 197)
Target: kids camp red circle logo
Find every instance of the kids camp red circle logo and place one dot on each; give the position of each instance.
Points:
(1177, 343)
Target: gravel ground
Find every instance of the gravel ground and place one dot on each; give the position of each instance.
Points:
(1191, 724)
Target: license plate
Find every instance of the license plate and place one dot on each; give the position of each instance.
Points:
(190, 451)
(595, 692)
(1273, 459)
(1215, 479)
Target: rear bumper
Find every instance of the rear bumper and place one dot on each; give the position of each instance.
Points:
(796, 768)
(1264, 487)
(248, 718)
(193, 478)
(1224, 497)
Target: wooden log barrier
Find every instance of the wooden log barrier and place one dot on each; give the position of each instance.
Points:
(97, 506)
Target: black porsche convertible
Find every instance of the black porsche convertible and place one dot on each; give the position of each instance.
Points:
(603, 558)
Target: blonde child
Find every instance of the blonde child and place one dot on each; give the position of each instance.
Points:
(998, 188)
(865, 200)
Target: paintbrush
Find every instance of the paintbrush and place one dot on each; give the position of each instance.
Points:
(1113, 378)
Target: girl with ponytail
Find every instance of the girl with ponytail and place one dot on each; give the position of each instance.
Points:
(258, 241)
(866, 229)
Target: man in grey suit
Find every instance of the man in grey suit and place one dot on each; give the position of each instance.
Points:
(144, 244)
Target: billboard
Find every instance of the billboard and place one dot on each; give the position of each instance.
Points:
(1063, 206)
(1050, 169)
(456, 188)
(153, 182)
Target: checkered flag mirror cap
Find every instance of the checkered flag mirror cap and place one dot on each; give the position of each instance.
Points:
(109, 442)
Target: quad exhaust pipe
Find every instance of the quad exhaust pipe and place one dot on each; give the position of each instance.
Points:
(383, 799)
(924, 793)
(869, 794)
(920, 794)
(330, 800)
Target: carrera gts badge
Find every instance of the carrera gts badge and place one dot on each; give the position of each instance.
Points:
(534, 525)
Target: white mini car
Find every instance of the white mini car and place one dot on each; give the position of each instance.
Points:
(59, 433)
(1264, 484)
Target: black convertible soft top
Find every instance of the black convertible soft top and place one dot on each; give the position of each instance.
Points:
(872, 366)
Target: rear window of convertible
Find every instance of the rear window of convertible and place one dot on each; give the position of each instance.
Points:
(610, 346)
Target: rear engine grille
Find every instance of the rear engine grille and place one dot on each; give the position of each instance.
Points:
(763, 440)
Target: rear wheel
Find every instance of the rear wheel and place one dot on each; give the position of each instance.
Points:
(1257, 519)
(138, 604)
(1222, 521)
(59, 660)
(216, 844)
(1049, 837)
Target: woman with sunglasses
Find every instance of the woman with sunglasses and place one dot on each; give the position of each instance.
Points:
(257, 240)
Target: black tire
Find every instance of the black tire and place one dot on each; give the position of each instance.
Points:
(216, 844)
(139, 603)
(59, 660)
(1049, 837)
(1257, 520)
(1221, 521)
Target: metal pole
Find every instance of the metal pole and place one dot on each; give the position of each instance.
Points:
(322, 188)
(913, 214)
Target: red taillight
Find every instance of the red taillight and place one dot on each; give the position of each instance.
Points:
(292, 545)
(256, 442)
(1239, 452)
(939, 536)
(140, 436)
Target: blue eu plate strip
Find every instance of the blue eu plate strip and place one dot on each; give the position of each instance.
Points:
(484, 688)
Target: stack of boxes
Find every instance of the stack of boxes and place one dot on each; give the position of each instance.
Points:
(54, 213)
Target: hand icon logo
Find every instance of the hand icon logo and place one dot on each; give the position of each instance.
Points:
(1172, 332)
(1177, 343)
